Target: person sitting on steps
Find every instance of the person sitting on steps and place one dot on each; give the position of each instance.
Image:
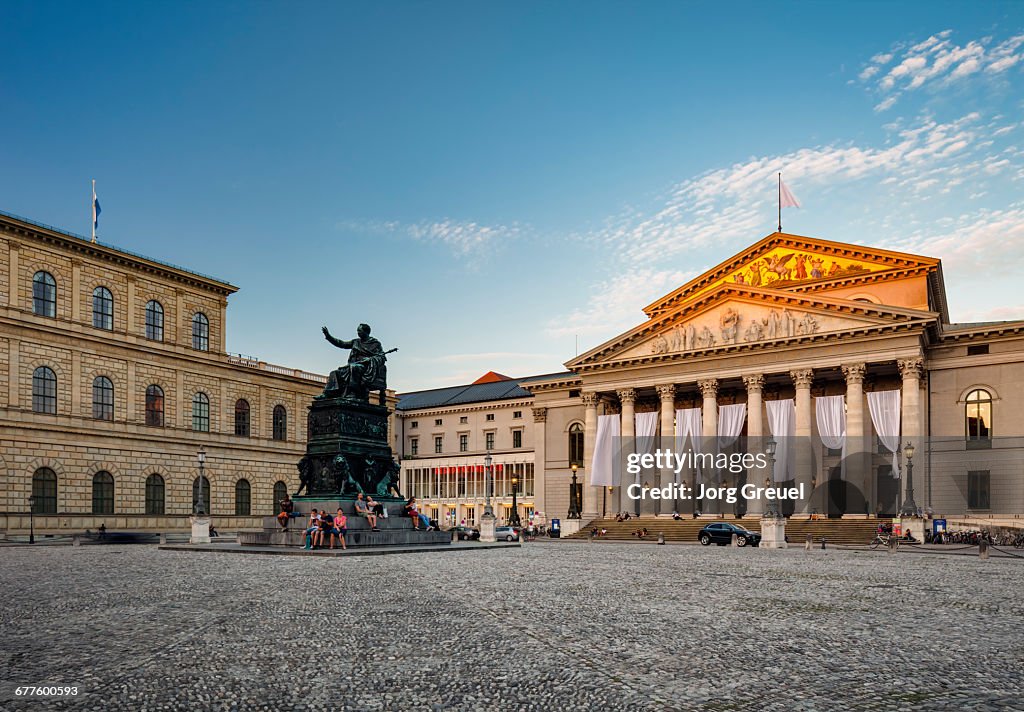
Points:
(363, 511)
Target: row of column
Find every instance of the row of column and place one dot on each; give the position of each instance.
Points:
(856, 431)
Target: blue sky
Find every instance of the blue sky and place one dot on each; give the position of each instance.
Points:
(484, 183)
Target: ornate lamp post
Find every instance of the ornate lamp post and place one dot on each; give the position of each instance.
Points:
(772, 512)
(909, 507)
(487, 523)
(574, 503)
(31, 519)
(513, 519)
(201, 458)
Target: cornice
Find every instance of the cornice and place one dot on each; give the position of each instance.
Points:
(468, 408)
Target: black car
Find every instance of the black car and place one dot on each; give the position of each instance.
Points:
(721, 533)
(465, 532)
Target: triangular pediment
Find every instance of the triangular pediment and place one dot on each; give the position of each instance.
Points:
(733, 315)
(795, 263)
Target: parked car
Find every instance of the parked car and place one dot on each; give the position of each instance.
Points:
(721, 533)
(506, 533)
(465, 532)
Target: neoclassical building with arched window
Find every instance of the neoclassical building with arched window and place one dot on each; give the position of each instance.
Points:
(106, 351)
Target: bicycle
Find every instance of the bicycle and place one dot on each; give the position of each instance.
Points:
(883, 540)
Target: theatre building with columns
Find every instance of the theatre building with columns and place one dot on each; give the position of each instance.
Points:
(845, 350)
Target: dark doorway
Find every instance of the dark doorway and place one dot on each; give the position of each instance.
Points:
(888, 488)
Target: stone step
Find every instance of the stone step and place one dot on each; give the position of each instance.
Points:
(391, 537)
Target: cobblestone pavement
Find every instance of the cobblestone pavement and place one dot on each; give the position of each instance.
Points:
(550, 626)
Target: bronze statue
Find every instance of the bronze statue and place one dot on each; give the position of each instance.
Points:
(365, 370)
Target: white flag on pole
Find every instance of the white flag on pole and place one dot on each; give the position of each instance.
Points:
(786, 197)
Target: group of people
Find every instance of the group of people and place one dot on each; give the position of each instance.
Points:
(325, 528)
(640, 533)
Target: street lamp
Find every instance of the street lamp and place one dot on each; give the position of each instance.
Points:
(574, 503)
(514, 520)
(201, 457)
(769, 448)
(488, 511)
(909, 506)
(31, 519)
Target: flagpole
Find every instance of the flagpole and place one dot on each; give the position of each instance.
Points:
(780, 201)
(93, 206)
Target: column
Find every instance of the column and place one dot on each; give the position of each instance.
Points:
(627, 397)
(131, 395)
(76, 288)
(222, 326)
(591, 495)
(858, 469)
(76, 383)
(14, 275)
(178, 334)
(802, 447)
(540, 463)
(181, 400)
(130, 308)
(14, 373)
(709, 440)
(755, 436)
(667, 394)
(911, 370)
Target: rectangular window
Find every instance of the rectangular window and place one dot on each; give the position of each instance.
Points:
(438, 444)
(490, 416)
(490, 441)
(463, 443)
(517, 414)
(414, 424)
(977, 350)
(438, 422)
(463, 420)
(517, 438)
(414, 446)
(978, 489)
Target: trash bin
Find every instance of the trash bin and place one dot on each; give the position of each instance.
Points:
(556, 529)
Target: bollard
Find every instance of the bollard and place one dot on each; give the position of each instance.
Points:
(823, 543)
(661, 537)
(893, 542)
(591, 537)
(163, 538)
(735, 543)
(75, 540)
(983, 549)
(455, 535)
(808, 543)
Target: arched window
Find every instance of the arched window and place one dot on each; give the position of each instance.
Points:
(280, 423)
(44, 390)
(201, 413)
(155, 406)
(242, 417)
(154, 494)
(154, 320)
(44, 491)
(102, 493)
(102, 309)
(979, 415)
(243, 498)
(102, 398)
(576, 444)
(44, 294)
(280, 492)
(200, 332)
(206, 495)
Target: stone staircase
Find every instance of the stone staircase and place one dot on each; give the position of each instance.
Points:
(395, 530)
(846, 532)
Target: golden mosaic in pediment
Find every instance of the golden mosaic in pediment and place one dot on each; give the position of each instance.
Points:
(786, 267)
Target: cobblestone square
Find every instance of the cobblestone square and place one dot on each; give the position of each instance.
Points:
(550, 626)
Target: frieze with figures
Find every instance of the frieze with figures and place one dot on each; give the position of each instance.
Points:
(326, 423)
(734, 328)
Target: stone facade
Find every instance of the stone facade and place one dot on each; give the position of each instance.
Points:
(75, 445)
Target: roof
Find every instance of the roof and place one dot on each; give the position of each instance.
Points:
(462, 395)
(491, 377)
(81, 243)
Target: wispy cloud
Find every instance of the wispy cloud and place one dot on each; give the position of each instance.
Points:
(464, 239)
(937, 61)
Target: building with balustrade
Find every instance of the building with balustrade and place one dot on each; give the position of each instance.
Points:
(113, 374)
(847, 349)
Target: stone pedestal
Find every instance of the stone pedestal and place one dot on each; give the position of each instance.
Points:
(571, 526)
(773, 533)
(487, 526)
(200, 530)
(916, 527)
